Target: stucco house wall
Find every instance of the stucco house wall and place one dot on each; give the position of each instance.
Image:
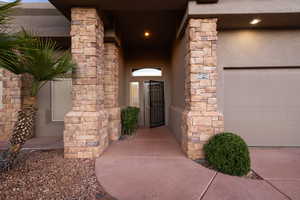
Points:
(258, 90)
(122, 86)
(45, 127)
(238, 48)
(256, 48)
(243, 48)
(258, 69)
(42, 19)
(177, 86)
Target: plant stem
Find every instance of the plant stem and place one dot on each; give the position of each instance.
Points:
(35, 88)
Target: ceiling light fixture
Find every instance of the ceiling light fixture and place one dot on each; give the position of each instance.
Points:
(255, 21)
(146, 34)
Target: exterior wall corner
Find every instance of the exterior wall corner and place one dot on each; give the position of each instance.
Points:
(10, 102)
(201, 118)
(111, 89)
(86, 125)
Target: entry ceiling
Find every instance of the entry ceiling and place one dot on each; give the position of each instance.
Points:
(162, 27)
(162, 18)
(131, 18)
(127, 4)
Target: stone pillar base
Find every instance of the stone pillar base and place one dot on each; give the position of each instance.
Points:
(114, 123)
(85, 134)
(197, 128)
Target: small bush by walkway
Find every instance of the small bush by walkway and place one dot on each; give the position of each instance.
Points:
(228, 153)
(47, 175)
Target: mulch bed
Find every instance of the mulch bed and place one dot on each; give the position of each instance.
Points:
(47, 175)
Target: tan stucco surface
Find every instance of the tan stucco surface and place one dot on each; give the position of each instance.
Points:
(261, 104)
(257, 48)
(42, 19)
(245, 7)
(43, 25)
(122, 86)
(177, 86)
(44, 125)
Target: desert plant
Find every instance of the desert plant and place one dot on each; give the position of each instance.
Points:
(36, 58)
(129, 119)
(228, 153)
(8, 42)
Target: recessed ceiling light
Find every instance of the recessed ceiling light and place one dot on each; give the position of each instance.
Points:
(146, 34)
(255, 21)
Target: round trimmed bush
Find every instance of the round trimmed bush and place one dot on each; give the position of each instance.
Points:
(228, 153)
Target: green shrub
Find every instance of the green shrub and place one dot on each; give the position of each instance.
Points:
(228, 153)
(129, 118)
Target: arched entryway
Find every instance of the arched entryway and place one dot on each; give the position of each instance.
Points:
(147, 92)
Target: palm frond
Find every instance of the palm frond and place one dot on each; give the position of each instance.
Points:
(44, 62)
(11, 51)
(9, 56)
(38, 57)
(5, 13)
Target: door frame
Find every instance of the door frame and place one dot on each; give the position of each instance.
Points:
(163, 105)
(141, 79)
(142, 98)
(148, 123)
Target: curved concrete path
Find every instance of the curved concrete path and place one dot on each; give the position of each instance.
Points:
(151, 166)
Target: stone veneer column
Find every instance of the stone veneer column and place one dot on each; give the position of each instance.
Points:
(85, 134)
(111, 90)
(201, 118)
(11, 102)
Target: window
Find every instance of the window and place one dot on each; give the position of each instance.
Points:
(61, 98)
(146, 72)
(134, 94)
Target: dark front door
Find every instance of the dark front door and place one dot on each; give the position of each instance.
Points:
(157, 103)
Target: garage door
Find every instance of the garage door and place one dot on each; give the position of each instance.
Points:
(263, 105)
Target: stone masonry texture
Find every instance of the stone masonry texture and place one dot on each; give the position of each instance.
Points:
(111, 90)
(201, 118)
(11, 102)
(86, 125)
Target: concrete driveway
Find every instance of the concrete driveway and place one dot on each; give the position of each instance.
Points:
(280, 167)
(151, 166)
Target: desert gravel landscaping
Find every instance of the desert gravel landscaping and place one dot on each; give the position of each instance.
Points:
(47, 175)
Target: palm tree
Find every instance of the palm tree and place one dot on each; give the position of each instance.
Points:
(38, 59)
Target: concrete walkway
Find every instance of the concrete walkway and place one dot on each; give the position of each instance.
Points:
(151, 166)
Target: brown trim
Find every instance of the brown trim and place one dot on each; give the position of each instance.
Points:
(224, 16)
(207, 1)
(261, 68)
(36, 12)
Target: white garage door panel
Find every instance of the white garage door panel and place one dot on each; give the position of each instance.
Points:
(263, 106)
